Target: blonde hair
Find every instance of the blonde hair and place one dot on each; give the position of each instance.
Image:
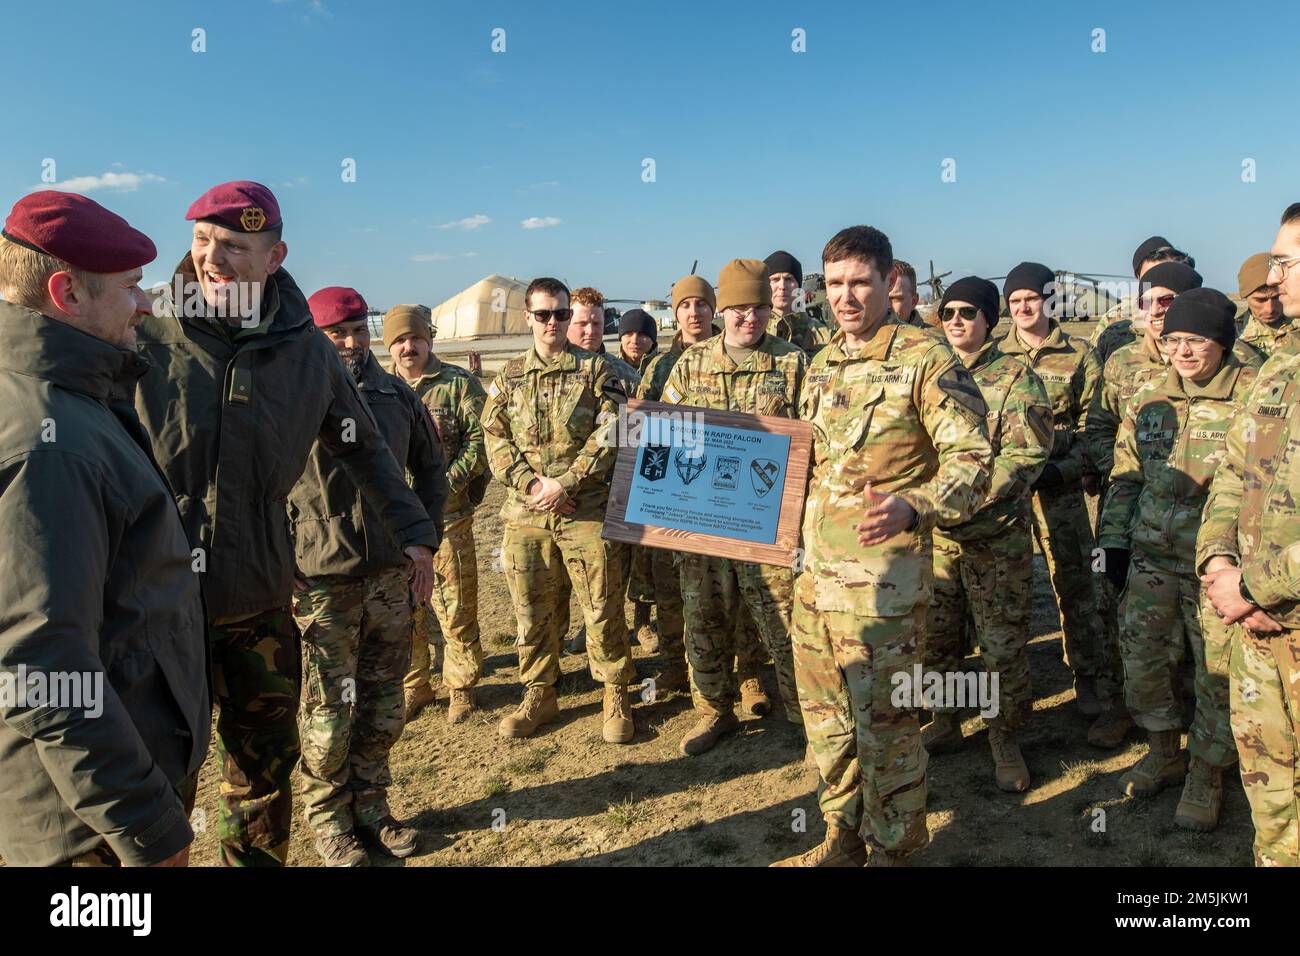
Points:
(25, 275)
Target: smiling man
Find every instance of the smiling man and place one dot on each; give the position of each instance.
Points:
(455, 399)
(1250, 561)
(900, 444)
(97, 581)
(243, 386)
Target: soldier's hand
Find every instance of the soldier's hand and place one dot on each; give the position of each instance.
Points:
(1223, 588)
(180, 858)
(421, 572)
(888, 515)
(1258, 622)
(547, 494)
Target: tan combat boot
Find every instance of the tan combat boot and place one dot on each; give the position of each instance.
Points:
(1161, 767)
(462, 704)
(538, 707)
(674, 677)
(643, 632)
(840, 848)
(343, 849)
(708, 730)
(1109, 730)
(396, 839)
(1202, 797)
(753, 699)
(942, 735)
(1009, 768)
(618, 727)
(417, 698)
(1085, 696)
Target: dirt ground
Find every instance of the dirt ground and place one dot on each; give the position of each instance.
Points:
(565, 796)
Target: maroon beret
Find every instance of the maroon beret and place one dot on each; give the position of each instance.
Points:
(336, 303)
(79, 231)
(241, 205)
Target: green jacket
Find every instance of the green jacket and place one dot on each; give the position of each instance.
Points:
(555, 419)
(768, 383)
(233, 421)
(455, 398)
(658, 369)
(1253, 512)
(1020, 431)
(1072, 375)
(335, 530)
(95, 580)
(1283, 336)
(904, 414)
(1170, 443)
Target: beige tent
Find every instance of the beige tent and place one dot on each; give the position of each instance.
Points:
(492, 306)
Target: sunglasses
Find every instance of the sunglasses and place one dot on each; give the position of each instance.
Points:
(1164, 301)
(967, 313)
(544, 316)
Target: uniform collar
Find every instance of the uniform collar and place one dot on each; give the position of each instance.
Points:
(55, 352)
(987, 354)
(374, 377)
(877, 347)
(1218, 388)
(566, 361)
(760, 360)
(1014, 345)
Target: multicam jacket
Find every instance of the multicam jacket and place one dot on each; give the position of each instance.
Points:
(767, 383)
(800, 329)
(1282, 336)
(555, 419)
(335, 530)
(1072, 375)
(1127, 370)
(659, 368)
(1020, 431)
(1170, 442)
(455, 398)
(903, 413)
(1252, 514)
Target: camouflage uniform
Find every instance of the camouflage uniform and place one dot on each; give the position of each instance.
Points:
(556, 419)
(1071, 373)
(356, 645)
(455, 399)
(1169, 445)
(1281, 336)
(801, 330)
(714, 589)
(904, 414)
(917, 321)
(1251, 516)
(985, 565)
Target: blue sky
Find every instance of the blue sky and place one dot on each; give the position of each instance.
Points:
(1063, 155)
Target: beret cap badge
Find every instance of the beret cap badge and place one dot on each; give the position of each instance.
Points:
(252, 219)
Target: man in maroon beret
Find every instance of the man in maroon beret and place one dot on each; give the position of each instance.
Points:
(353, 607)
(244, 386)
(96, 586)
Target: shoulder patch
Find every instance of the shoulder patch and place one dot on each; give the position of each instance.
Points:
(515, 367)
(957, 384)
(671, 395)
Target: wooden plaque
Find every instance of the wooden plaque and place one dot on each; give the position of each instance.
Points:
(722, 491)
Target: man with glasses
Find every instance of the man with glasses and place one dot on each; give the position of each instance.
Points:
(549, 420)
(1248, 554)
(1265, 327)
(900, 444)
(1170, 443)
(1071, 373)
(744, 369)
(984, 566)
(1117, 328)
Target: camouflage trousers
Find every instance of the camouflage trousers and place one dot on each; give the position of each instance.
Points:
(102, 855)
(1265, 674)
(452, 626)
(356, 645)
(1110, 684)
(1065, 537)
(542, 562)
(990, 581)
(667, 585)
(640, 578)
(869, 752)
(713, 592)
(1160, 617)
(256, 673)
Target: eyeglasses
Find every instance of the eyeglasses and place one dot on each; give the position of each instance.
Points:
(1280, 264)
(1164, 301)
(544, 316)
(749, 311)
(967, 313)
(1174, 343)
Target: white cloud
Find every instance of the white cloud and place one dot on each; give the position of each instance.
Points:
(430, 257)
(540, 222)
(469, 222)
(117, 182)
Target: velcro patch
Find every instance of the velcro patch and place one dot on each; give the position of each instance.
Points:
(1057, 378)
(671, 395)
(1271, 411)
(958, 385)
(1209, 434)
(886, 375)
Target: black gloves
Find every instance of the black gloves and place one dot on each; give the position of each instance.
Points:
(1116, 567)
(1050, 478)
